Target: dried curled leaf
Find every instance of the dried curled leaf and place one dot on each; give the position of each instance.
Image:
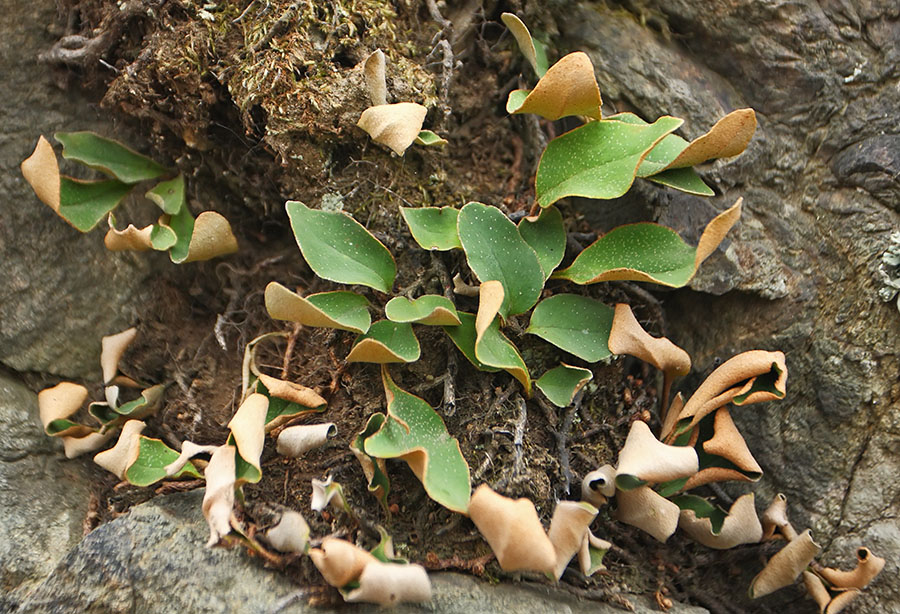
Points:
(388, 584)
(531, 49)
(775, 519)
(867, 567)
(295, 441)
(291, 534)
(645, 509)
(490, 299)
(57, 404)
(645, 459)
(394, 125)
(248, 429)
(325, 492)
(569, 87)
(218, 500)
(726, 443)
(728, 137)
(513, 531)
(131, 238)
(189, 450)
(373, 70)
(599, 485)
(112, 349)
(120, 457)
(342, 310)
(785, 566)
(41, 171)
(386, 342)
(339, 561)
(211, 237)
(292, 392)
(76, 446)
(741, 526)
(568, 529)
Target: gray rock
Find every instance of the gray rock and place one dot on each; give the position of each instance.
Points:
(800, 272)
(153, 559)
(60, 290)
(43, 499)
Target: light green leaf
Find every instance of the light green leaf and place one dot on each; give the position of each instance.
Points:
(495, 350)
(62, 427)
(182, 226)
(342, 309)
(162, 237)
(144, 405)
(562, 383)
(648, 252)
(429, 138)
(149, 467)
(463, 336)
(685, 179)
(415, 433)
(104, 414)
(169, 195)
(662, 154)
(108, 156)
(433, 227)
(384, 551)
(339, 249)
(596, 555)
(515, 100)
(533, 50)
(244, 471)
(577, 324)
(84, 203)
(378, 482)
(547, 237)
(496, 251)
(430, 309)
(597, 160)
(386, 342)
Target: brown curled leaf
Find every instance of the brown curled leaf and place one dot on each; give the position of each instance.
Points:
(645, 459)
(569, 87)
(112, 347)
(122, 455)
(339, 561)
(741, 526)
(645, 509)
(867, 567)
(785, 566)
(394, 125)
(568, 529)
(295, 441)
(388, 584)
(727, 138)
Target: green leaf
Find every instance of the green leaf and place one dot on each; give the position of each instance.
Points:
(149, 467)
(656, 251)
(597, 160)
(597, 555)
(342, 309)
(496, 251)
(463, 336)
(162, 238)
(626, 482)
(429, 138)
(561, 383)
(430, 309)
(662, 154)
(339, 249)
(577, 324)
(378, 482)
(108, 156)
(84, 203)
(386, 342)
(415, 433)
(244, 472)
(547, 237)
(515, 100)
(685, 179)
(58, 427)
(384, 551)
(182, 226)
(703, 509)
(495, 350)
(104, 414)
(433, 227)
(667, 489)
(144, 405)
(169, 195)
(533, 50)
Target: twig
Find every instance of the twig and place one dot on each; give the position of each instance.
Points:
(519, 439)
(443, 275)
(278, 28)
(450, 385)
(289, 351)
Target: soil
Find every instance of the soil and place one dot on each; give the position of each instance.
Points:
(256, 102)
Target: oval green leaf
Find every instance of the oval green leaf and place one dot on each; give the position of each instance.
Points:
(339, 248)
(429, 138)
(149, 467)
(577, 324)
(495, 350)
(343, 310)
(685, 179)
(547, 237)
(648, 252)
(84, 203)
(169, 195)
(561, 383)
(386, 342)
(415, 433)
(597, 160)
(496, 251)
(463, 337)
(108, 156)
(433, 227)
(431, 309)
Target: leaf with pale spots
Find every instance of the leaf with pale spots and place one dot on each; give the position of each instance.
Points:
(431, 309)
(577, 324)
(149, 466)
(546, 235)
(597, 160)
(433, 227)
(562, 383)
(496, 251)
(343, 310)
(386, 342)
(415, 433)
(464, 336)
(339, 248)
(648, 252)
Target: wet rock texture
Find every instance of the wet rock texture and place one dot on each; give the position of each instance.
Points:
(821, 193)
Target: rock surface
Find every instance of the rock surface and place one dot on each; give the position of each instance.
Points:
(153, 560)
(44, 499)
(60, 290)
(799, 273)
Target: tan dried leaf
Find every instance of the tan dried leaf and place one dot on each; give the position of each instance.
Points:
(249, 428)
(523, 38)
(741, 526)
(513, 531)
(291, 534)
(647, 510)
(388, 584)
(295, 441)
(627, 336)
(218, 500)
(785, 566)
(599, 485)
(867, 567)
(60, 402)
(490, 299)
(122, 455)
(131, 238)
(842, 600)
(339, 561)
(112, 347)
(289, 391)
(728, 137)
(728, 443)
(648, 459)
(76, 446)
(212, 237)
(373, 70)
(395, 125)
(816, 590)
(775, 519)
(569, 87)
(41, 171)
(568, 530)
(189, 450)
